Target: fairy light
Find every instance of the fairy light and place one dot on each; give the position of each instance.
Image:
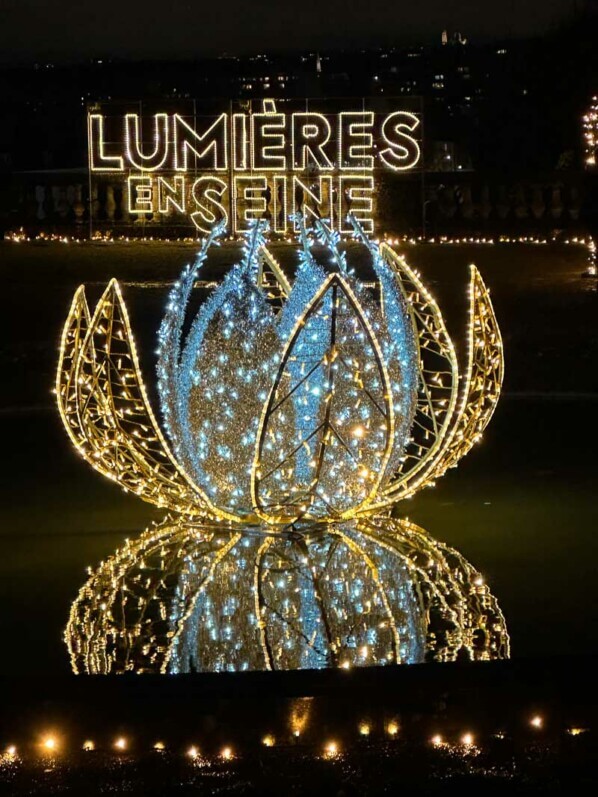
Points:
(88, 746)
(226, 753)
(120, 744)
(283, 403)
(537, 722)
(590, 132)
(437, 740)
(193, 752)
(467, 740)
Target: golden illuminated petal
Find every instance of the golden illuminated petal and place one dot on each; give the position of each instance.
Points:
(73, 335)
(438, 387)
(327, 428)
(483, 379)
(114, 427)
(479, 394)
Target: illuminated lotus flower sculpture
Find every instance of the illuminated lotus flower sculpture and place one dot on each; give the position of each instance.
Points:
(300, 414)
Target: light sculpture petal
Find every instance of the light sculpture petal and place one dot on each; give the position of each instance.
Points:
(346, 438)
(73, 336)
(117, 430)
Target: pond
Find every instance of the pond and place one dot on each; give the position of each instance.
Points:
(521, 507)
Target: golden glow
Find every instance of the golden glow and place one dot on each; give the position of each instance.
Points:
(576, 731)
(392, 728)
(120, 743)
(437, 740)
(364, 729)
(88, 746)
(537, 721)
(193, 752)
(268, 740)
(159, 746)
(11, 750)
(331, 749)
(467, 740)
(226, 753)
(50, 744)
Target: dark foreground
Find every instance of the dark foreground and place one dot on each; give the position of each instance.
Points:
(528, 727)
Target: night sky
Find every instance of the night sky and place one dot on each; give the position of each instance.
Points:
(66, 30)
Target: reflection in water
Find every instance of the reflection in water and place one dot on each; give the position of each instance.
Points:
(197, 598)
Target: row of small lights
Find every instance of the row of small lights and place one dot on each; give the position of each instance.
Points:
(20, 236)
(50, 744)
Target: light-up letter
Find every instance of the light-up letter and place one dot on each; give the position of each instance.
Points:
(356, 140)
(355, 197)
(403, 151)
(310, 134)
(313, 200)
(209, 149)
(140, 193)
(98, 160)
(268, 142)
(279, 212)
(171, 194)
(136, 157)
(240, 139)
(206, 194)
(251, 200)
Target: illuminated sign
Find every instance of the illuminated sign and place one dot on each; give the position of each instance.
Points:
(254, 162)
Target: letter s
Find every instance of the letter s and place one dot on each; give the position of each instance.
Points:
(403, 151)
